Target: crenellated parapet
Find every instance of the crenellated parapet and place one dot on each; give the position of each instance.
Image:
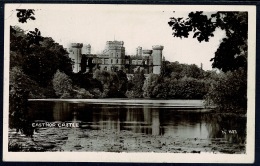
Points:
(147, 52)
(157, 47)
(115, 43)
(77, 45)
(116, 48)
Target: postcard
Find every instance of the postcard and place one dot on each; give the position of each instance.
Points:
(129, 83)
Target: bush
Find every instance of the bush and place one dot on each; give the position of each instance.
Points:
(83, 94)
(137, 82)
(229, 91)
(20, 80)
(62, 85)
(149, 85)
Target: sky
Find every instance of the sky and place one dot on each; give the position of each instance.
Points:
(136, 25)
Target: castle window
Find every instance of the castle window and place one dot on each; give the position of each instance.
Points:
(111, 61)
(117, 61)
(105, 68)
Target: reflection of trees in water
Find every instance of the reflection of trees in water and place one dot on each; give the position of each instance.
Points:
(185, 123)
(155, 122)
(219, 125)
(143, 119)
(102, 116)
(134, 118)
(41, 110)
(177, 117)
(61, 111)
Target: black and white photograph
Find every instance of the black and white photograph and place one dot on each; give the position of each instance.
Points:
(129, 83)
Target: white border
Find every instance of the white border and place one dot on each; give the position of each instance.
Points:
(143, 157)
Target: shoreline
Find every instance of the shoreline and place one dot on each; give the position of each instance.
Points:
(183, 104)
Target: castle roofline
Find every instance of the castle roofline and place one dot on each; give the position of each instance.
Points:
(157, 47)
(77, 45)
(147, 51)
(115, 42)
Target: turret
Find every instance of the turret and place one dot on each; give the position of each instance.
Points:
(88, 49)
(139, 51)
(157, 59)
(75, 55)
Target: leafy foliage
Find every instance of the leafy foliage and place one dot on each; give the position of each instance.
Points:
(113, 84)
(136, 88)
(38, 61)
(34, 37)
(149, 84)
(177, 70)
(25, 14)
(18, 79)
(82, 93)
(229, 91)
(232, 52)
(20, 88)
(62, 84)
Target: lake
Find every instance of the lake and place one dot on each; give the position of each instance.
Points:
(149, 121)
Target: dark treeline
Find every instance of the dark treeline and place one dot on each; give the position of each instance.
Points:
(44, 70)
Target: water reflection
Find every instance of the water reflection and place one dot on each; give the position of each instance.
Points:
(182, 123)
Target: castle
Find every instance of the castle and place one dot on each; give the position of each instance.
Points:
(113, 58)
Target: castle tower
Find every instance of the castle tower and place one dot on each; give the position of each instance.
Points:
(157, 59)
(116, 54)
(139, 51)
(76, 55)
(88, 49)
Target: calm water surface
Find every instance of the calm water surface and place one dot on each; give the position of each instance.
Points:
(172, 118)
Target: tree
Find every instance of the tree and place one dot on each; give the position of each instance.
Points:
(38, 56)
(38, 59)
(82, 93)
(62, 84)
(137, 82)
(20, 89)
(110, 83)
(229, 91)
(232, 52)
(34, 37)
(123, 81)
(149, 85)
(18, 79)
